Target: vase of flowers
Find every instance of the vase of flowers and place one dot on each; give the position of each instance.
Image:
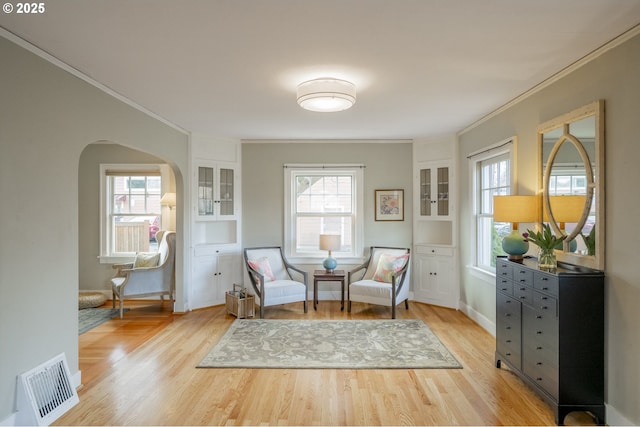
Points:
(546, 242)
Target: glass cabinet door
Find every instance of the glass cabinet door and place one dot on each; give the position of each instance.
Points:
(226, 192)
(434, 191)
(443, 191)
(425, 192)
(205, 191)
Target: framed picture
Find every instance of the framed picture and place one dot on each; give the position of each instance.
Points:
(389, 205)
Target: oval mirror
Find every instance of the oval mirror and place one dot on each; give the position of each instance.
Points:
(571, 179)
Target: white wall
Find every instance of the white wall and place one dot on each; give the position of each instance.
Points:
(614, 77)
(47, 118)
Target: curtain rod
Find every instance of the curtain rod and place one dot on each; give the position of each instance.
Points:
(489, 149)
(321, 166)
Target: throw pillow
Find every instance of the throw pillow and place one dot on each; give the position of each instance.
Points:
(263, 267)
(388, 265)
(146, 259)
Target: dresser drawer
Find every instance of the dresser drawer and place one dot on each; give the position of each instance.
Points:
(508, 308)
(505, 285)
(545, 283)
(504, 269)
(545, 303)
(523, 293)
(543, 373)
(434, 250)
(522, 275)
(539, 330)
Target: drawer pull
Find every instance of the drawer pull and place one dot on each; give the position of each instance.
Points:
(544, 298)
(538, 332)
(545, 279)
(508, 354)
(508, 301)
(539, 363)
(523, 297)
(503, 289)
(545, 288)
(507, 315)
(523, 289)
(539, 379)
(538, 317)
(544, 307)
(508, 341)
(538, 348)
(523, 280)
(508, 327)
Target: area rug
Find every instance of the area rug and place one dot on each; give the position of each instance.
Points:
(341, 344)
(89, 318)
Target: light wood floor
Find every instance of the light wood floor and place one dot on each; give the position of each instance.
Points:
(141, 371)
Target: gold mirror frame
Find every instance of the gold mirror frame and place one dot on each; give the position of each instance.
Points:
(594, 174)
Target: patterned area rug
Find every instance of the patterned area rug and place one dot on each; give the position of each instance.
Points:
(89, 318)
(342, 344)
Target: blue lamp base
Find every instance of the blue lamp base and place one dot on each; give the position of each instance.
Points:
(515, 246)
(329, 264)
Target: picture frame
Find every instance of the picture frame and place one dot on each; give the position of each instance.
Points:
(389, 205)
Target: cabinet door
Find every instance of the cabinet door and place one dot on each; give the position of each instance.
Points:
(205, 192)
(204, 292)
(226, 192)
(434, 191)
(434, 280)
(216, 192)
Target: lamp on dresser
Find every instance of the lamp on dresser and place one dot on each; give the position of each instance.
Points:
(515, 209)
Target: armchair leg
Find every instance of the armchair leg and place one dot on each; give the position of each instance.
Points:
(349, 307)
(121, 307)
(406, 304)
(393, 311)
(305, 306)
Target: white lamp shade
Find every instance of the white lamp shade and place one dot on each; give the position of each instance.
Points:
(329, 242)
(168, 199)
(326, 95)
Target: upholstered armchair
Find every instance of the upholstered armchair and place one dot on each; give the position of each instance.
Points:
(149, 275)
(271, 277)
(382, 280)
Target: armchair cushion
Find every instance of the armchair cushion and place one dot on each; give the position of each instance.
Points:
(263, 267)
(146, 259)
(388, 265)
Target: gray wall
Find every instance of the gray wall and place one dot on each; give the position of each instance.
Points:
(388, 166)
(614, 77)
(47, 119)
(93, 275)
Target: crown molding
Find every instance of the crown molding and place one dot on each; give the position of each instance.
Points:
(79, 74)
(627, 35)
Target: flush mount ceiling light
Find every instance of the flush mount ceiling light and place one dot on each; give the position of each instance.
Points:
(326, 95)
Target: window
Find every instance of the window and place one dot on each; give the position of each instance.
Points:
(492, 174)
(322, 200)
(130, 209)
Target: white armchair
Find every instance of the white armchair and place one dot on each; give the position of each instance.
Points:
(270, 276)
(131, 281)
(382, 280)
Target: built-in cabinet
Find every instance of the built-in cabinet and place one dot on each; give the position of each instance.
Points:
(435, 280)
(215, 230)
(550, 332)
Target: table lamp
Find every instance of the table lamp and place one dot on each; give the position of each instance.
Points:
(329, 242)
(515, 209)
(565, 209)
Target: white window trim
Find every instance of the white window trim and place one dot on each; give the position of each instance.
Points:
(506, 146)
(358, 227)
(105, 256)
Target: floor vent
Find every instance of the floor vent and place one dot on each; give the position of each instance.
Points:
(45, 393)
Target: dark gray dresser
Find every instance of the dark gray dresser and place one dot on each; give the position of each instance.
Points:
(550, 332)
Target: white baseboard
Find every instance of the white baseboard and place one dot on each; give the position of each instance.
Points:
(615, 418)
(479, 318)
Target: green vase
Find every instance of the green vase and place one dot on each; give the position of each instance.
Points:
(547, 260)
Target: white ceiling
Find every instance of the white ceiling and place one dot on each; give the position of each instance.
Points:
(230, 67)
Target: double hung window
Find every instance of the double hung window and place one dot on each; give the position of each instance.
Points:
(323, 200)
(492, 177)
(131, 212)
